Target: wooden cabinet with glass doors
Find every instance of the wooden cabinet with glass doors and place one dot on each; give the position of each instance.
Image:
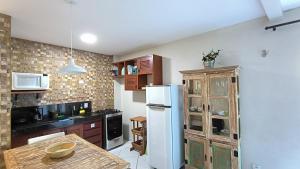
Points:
(211, 121)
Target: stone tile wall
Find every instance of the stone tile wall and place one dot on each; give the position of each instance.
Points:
(5, 53)
(96, 85)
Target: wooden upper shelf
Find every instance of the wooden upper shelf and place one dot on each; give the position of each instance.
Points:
(146, 65)
(210, 70)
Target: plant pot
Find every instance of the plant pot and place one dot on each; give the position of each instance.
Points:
(209, 64)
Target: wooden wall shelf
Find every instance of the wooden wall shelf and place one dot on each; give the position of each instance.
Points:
(15, 93)
(149, 70)
(27, 91)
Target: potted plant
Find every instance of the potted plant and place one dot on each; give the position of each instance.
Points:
(209, 59)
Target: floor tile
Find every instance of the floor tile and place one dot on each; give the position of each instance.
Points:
(136, 161)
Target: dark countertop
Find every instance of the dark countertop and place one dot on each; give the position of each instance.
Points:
(53, 124)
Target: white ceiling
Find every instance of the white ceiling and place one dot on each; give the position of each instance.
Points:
(124, 26)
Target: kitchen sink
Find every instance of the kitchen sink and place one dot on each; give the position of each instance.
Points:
(76, 117)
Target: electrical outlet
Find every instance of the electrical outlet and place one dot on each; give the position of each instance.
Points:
(256, 166)
(81, 82)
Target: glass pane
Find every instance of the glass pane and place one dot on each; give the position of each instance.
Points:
(218, 86)
(29, 81)
(220, 127)
(219, 107)
(221, 157)
(195, 104)
(194, 87)
(196, 154)
(196, 123)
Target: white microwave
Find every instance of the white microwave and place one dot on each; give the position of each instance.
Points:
(29, 81)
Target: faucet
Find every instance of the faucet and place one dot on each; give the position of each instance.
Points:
(74, 108)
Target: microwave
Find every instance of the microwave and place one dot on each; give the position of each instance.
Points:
(29, 81)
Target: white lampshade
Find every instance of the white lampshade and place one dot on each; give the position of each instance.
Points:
(72, 68)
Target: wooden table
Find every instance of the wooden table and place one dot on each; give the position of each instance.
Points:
(85, 156)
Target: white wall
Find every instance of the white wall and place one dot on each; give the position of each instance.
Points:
(270, 87)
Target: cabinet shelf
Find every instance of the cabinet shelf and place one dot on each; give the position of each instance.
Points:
(219, 117)
(218, 97)
(196, 114)
(119, 76)
(194, 95)
(138, 131)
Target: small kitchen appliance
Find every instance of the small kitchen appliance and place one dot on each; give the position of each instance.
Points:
(29, 81)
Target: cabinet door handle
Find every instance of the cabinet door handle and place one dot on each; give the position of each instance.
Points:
(205, 157)
(208, 108)
(203, 106)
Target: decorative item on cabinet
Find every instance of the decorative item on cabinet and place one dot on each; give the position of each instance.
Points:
(210, 58)
(142, 71)
(211, 122)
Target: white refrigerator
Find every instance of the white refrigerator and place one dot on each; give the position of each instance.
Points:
(165, 147)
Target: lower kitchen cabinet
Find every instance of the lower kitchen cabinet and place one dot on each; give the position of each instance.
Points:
(201, 153)
(77, 129)
(90, 131)
(22, 140)
(52, 131)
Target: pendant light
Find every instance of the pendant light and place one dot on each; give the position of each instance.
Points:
(72, 68)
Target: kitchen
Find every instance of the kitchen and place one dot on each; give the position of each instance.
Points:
(140, 84)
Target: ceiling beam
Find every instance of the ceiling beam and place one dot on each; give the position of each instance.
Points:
(273, 8)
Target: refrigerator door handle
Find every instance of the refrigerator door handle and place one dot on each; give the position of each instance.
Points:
(158, 106)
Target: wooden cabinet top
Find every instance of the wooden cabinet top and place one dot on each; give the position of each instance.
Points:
(86, 155)
(211, 70)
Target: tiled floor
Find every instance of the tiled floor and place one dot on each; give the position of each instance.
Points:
(136, 161)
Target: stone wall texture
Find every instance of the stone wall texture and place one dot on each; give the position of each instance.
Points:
(96, 85)
(5, 104)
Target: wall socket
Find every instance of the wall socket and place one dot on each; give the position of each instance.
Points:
(256, 166)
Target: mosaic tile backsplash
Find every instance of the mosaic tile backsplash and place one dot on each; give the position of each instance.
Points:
(5, 53)
(96, 85)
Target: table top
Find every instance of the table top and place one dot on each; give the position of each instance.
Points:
(85, 156)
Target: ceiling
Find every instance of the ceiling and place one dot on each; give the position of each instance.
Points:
(123, 26)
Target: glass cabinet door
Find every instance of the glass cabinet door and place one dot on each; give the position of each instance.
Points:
(196, 149)
(219, 106)
(223, 156)
(195, 105)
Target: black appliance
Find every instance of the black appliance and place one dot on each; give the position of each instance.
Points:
(26, 115)
(113, 128)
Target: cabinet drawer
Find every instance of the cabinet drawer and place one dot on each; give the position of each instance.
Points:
(75, 130)
(92, 125)
(99, 144)
(94, 139)
(92, 132)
